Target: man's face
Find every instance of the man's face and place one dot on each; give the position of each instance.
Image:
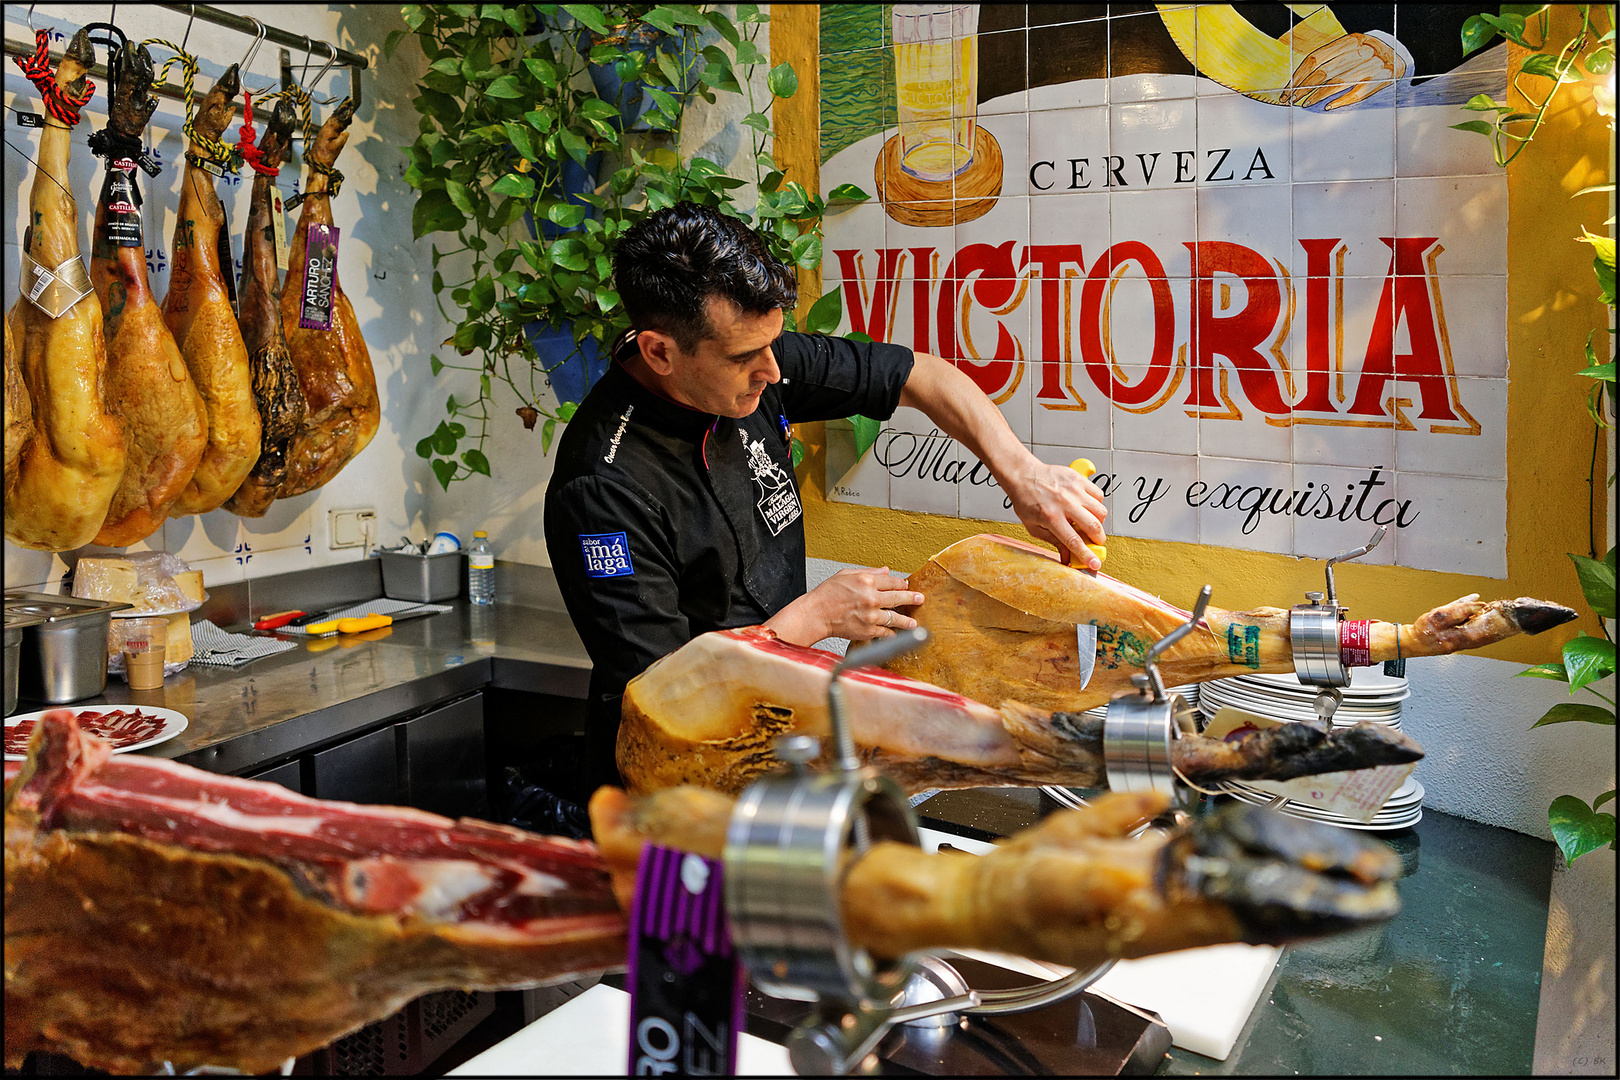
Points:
(728, 370)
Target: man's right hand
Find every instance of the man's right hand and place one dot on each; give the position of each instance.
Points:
(857, 604)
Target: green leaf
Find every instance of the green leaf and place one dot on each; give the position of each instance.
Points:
(847, 193)
(1556, 672)
(1483, 103)
(1597, 582)
(1587, 659)
(444, 440)
(661, 19)
(589, 14)
(424, 447)
(807, 250)
(507, 86)
(798, 451)
(1578, 828)
(568, 253)
(758, 121)
(434, 212)
(725, 28)
(1540, 64)
(544, 71)
(783, 80)
(568, 215)
(825, 313)
(436, 365)
(607, 300)
(577, 148)
(866, 433)
(514, 184)
(1476, 32)
(1603, 798)
(460, 197)
(445, 471)
(1474, 125)
(547, 431)
(566, 410)
(596, 107)
(748, 52)
(1575, 712)
(476, 461)
(391, 42)
(856, 335)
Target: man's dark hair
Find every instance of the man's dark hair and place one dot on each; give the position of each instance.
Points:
(671, 261)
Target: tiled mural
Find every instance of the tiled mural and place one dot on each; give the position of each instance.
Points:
(1235, 255)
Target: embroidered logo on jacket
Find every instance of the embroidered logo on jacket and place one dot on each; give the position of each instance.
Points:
(606, 554)
(778, 495)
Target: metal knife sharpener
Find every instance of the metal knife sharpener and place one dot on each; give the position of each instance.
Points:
(1313, 635)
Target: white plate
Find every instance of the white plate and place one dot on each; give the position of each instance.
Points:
(1362, 681)
(173, 724)
(1303, 699)
(1399, 819)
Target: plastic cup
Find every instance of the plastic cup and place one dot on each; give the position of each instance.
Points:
(444, 544)
(146, 642)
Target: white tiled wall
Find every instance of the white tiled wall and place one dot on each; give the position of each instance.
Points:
(1230, 170)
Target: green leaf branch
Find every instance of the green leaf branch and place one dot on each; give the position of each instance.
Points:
(507, 103)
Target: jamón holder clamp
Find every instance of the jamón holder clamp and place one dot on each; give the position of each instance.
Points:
(1313, 635)
(1141, 723)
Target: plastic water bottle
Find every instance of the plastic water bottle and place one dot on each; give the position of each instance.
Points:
(480, 570)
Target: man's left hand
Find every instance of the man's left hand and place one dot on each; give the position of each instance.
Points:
(1058, 505)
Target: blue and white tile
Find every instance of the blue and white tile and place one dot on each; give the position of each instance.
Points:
(1427, 143)
(1166, 429)
(1234, 502)
(1452, 450)
(1165, 220)
(1011, 132)
(1346, 144)
(866, 481)
(1144, 139)
(1467, 213)
(1255, 216)
(1354, 212)
(923, 473)
(1151, 500)
(1333, 444)
(1080, 418)
(978, 495)
(1460, 526)
(1075, 142)
(1475, 325)
(1243, 141)
(861, 230)
(1320, 489)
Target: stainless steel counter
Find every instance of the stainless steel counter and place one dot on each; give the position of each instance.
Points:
(268, 709)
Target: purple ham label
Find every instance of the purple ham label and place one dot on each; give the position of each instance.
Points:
(320, 272)
(686, 984)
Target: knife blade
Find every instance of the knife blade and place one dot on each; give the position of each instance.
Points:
(1085, 636)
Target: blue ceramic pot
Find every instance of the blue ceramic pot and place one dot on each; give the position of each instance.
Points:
(573, 369)
(634, 103)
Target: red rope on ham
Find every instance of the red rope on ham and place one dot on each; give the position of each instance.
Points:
(38, 69)
(252, 154)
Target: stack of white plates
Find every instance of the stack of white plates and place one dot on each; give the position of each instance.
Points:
(1189, 691)
(1371, 696)
(1403, 810)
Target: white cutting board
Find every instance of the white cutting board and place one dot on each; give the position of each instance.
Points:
(589, 1035)
(1203, 995)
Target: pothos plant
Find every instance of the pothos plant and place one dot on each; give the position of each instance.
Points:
(518, 102)
(1577, 827)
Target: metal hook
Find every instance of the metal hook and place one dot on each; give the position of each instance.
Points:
(189, 23)
(31, 31)
(867, 656)
(331, 58)
(1150, 661)
(1346, 556)
(253, 49)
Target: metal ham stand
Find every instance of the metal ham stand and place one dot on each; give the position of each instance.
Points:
(1313, 633)
(789, 840)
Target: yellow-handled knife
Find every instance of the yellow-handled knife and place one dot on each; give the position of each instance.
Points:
(1088, 468)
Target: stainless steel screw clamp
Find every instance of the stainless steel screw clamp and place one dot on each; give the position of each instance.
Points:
(1313, 634)
(1140, 725)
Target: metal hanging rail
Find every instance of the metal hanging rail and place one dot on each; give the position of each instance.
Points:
(208, 13)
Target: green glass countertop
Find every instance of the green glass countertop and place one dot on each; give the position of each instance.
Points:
(1450, 986)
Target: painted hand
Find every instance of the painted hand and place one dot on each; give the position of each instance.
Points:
(1355, 67)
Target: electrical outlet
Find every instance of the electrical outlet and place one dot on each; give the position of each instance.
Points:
(351, 528)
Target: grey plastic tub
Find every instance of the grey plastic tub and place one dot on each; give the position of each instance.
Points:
(426, 579)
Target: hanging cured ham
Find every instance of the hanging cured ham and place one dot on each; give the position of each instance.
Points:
(708, 714)
(65, 451)
(155, 912)
(198, 312)
(1002, 615)
(334, 366)
(148, 384)
(275, 381)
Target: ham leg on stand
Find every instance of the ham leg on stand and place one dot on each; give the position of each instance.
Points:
(155, 912)
(148, 384)
(334, 365)
(65, 451)
(198, 312)
(1001, 616)
(275, 380)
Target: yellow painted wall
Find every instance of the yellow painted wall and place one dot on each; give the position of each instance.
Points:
(1552, 306)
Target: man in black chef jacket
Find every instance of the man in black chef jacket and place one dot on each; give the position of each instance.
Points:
(673, 510)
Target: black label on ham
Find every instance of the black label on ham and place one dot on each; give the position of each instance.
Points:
(320, 264)
(121, 196)
(685, 983)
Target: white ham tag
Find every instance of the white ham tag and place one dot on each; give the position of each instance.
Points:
(278, 221)
(1357, 793)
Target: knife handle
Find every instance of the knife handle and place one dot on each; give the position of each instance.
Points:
(362, 624)
(277, 621)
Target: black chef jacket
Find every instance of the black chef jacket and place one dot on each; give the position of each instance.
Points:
(664, 523)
